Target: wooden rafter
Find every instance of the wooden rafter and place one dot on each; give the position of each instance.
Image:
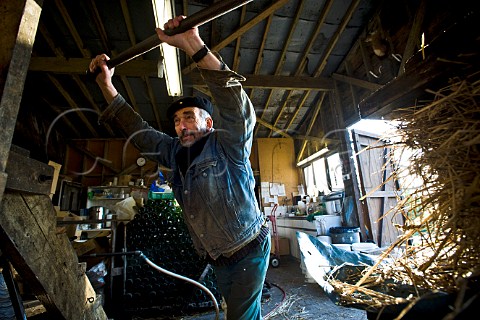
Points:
(151, 96)
(336, 36)
(308, 47)
(310, 125)
(89, 97)
(414, 36)
(242, 30)
(71, 27)
(281, 60)
(148, 67)
(72, 103)
(67, 121)
(130, 93)
(100, 27)
(48, 39)
(133, 41)
(59, 53)
(356, 82)
(259, 59)
(323, 61)
(128, 22)
(301, 103)
(236, 55)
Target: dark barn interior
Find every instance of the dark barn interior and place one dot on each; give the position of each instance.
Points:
(312, 68)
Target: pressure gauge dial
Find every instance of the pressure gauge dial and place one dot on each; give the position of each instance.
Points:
(141, 161)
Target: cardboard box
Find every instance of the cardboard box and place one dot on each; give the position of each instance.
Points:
(71, 229)
(57, 167)
(123, 180)
(283, 244)
(84, 247)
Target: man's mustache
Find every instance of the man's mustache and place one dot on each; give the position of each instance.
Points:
(186, 133)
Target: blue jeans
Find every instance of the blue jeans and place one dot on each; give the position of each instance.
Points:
(241, 284)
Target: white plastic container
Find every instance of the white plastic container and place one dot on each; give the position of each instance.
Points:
(364, 246)
(325, 239)
(323, 223)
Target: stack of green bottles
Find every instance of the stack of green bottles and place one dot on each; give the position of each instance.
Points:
(159, 231)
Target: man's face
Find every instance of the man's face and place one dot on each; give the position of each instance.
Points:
(190, 125)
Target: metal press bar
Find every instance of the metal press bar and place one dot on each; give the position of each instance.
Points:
(201, 17)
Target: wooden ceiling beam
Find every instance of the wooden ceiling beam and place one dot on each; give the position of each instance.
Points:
(128, 22)
(310, 126)
(259, 62)
(282, 109)
(333, 40)
(275, 82)
(71, 27)
(100, 27)
(297, 110)
(71, 102)
(356, 82)
(259, 59)
(306, 51)
(59, 111)
(313, 37)
(271, 127)
(236, 55)
(48, 38)
(139, 68)
(281, 62)
(89, 97)
(130, 93)
(242, 30)
(58, 51)
(413, 40)
(153, 101)
(323, 60)
(133, 41)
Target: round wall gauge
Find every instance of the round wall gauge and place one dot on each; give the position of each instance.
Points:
(141, 161)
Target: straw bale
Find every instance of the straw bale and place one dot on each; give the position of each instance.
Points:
(442, 213)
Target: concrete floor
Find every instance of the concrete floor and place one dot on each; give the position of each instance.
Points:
(294, 297)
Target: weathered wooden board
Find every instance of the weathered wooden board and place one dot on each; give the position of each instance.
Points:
(44, 259)
(374, 169)
(28, 175)
(19, 26)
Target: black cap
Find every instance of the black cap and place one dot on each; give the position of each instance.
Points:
(198, 102)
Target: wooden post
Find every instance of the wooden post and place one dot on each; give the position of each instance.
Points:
(18, 22)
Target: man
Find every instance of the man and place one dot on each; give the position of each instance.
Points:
(211, 174)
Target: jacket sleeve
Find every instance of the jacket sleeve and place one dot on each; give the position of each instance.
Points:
(152, 143)
(234, 116)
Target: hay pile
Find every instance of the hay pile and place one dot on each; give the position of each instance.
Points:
(443, 212)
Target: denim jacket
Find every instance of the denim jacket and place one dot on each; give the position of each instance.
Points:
(217, 192)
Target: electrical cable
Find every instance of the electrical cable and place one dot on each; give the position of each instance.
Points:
(281, 302)
(170, 273)
(175, 275)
